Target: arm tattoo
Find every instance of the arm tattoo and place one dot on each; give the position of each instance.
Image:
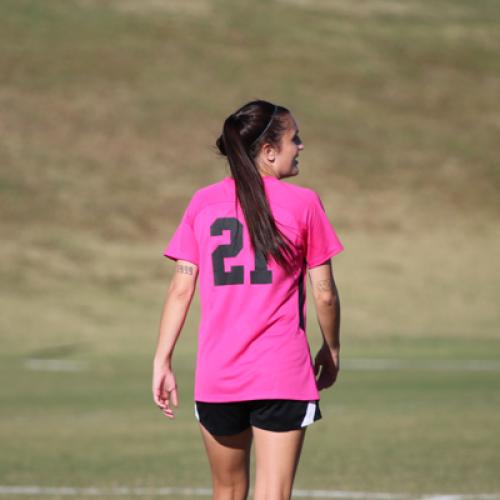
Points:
(325, 286)
(181, 268)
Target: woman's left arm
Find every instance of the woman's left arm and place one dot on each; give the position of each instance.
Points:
(179, 296)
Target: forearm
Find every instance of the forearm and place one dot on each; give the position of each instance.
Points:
(171, 323)
(328, 314)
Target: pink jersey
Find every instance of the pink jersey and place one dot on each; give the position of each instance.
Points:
(252, 341)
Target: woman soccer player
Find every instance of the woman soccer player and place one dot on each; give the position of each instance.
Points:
(250, 238)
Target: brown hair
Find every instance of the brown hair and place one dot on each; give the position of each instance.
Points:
(244, 132)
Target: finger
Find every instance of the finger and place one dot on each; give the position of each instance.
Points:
(157, 398)
(319, 380)
(167, 410)
(175, 397)
(165, 401)
(325, 379)
(322, 381)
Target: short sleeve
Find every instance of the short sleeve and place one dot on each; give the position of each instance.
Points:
(322, 241)
(183, 244)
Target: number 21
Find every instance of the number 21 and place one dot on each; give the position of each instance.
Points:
(259, 275)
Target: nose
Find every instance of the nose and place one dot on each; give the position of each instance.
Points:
(301, 146)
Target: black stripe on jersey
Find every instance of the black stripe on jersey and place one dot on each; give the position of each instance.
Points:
(302, 298)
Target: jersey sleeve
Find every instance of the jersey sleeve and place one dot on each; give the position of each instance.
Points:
(322, 241)
(183, 244)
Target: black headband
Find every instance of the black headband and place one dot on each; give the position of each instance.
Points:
(266, 128)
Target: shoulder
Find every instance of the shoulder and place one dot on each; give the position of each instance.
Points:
(305, 198)
(210, 189)
(206, 195)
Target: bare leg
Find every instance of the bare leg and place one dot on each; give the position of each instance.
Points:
(229, 458)
(277, 456)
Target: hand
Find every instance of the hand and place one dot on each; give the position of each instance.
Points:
(165, 389)
(329, 361)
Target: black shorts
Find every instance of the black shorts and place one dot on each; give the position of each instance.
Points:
(279, 415)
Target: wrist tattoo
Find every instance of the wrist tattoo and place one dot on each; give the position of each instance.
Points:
(182, 268)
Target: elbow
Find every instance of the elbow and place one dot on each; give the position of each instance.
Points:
(329, 299)
(181, 293)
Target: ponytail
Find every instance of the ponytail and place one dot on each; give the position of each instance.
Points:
(239, 142)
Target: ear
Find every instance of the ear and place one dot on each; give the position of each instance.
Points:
(269, 152)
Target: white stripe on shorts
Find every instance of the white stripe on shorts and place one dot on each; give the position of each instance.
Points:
(196, 413)
(309, 416)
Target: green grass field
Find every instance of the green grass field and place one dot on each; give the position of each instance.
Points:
(109, 111)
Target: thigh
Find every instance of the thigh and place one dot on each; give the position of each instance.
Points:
(229, 457)
(277, 456)
(227, 436)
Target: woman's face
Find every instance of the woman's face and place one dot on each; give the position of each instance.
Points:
(284, 161)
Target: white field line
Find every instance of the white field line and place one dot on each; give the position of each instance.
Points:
(361, 364)
(55, 365)
(166, 491)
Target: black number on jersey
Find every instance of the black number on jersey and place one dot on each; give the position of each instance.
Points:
(259, 275)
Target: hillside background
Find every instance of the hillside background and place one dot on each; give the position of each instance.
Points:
(109, 111)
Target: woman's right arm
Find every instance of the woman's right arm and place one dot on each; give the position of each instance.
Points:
(327, 303)
(175, 309)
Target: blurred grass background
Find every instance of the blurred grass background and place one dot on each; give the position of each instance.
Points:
(109, 110)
